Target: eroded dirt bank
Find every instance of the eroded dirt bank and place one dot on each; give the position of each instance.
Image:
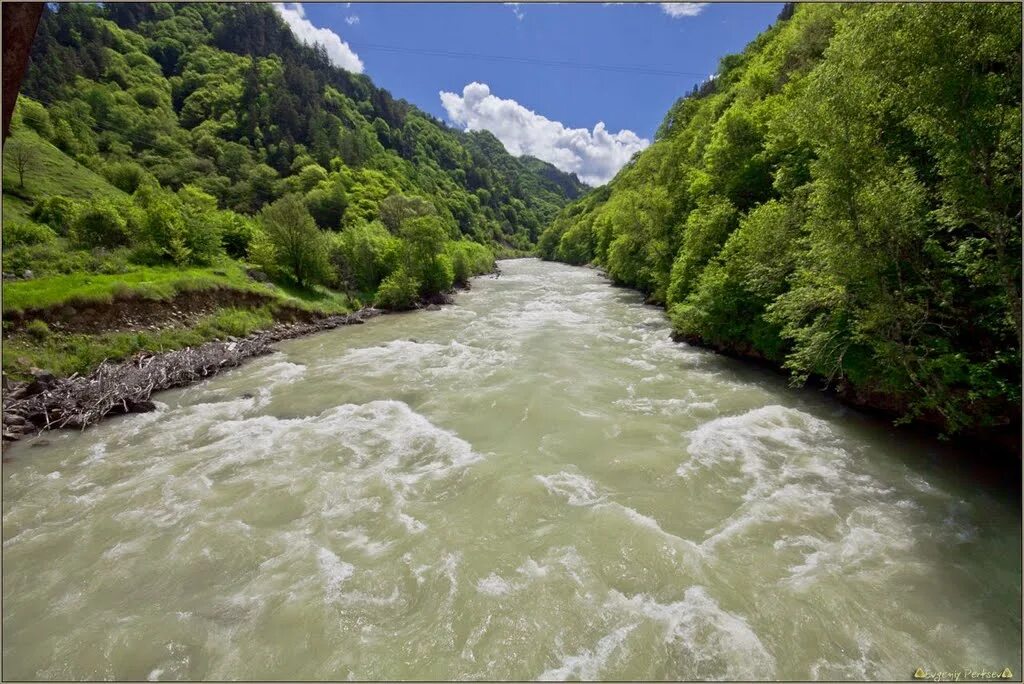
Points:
(47, 402)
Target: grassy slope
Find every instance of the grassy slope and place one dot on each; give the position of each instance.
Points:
(55, 173)
(52, 173)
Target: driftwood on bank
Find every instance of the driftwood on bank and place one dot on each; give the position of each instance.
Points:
(125, 387)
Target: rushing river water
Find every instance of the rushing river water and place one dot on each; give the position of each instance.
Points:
(533, 483)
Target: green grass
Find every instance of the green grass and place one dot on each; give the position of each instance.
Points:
(317, 299)
(65, 354)
(155, 282)
(15, 208)
(52, 173)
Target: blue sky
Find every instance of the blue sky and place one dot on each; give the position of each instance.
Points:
(502, 79)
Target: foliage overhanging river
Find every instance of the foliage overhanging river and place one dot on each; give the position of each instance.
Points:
(533, 483)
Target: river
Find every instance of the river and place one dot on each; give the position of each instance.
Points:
(533, 483)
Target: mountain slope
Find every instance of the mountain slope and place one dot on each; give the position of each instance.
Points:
(225, 97)
(843, 199)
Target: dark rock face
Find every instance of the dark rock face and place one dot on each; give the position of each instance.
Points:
(257, 275)
(438, 299)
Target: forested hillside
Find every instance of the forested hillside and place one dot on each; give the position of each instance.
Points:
(842, 199)
(206, 136)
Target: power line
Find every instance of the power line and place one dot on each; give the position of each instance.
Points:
(621, 68)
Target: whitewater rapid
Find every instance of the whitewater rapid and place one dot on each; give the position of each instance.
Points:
(534, 483)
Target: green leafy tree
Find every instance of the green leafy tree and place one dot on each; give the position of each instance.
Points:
(300, 247)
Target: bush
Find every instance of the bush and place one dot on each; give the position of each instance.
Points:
(237, 233)
(437, 275)
(18, 232)
(124, 175)
(398, 291)
(263, 253)
(38, 330)
(183, 227)
(363, 255)
(100, 224)
(147, 96)
(310, 175)
(56, 211)
(469, 259)
(47, 258)
(34, 115)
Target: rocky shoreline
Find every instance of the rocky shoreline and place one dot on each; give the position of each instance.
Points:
(48, 402)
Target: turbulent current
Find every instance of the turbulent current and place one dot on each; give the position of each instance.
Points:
(534, 483)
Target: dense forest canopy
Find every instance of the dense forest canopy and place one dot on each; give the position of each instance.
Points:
(843, 198)
(205, 116)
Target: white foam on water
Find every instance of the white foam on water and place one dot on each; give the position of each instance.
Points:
(411, 524)
(358, 539)
(474, 638)
(862, 667)
(494, 585)
(638, 363)
(719, 643)
(693, 550)
(577, 489)
(870, 543)
(532, 569)
(454, 362)
(588, 664)
(666, 407)
(757, 440)
(333, 571)
(97, 452)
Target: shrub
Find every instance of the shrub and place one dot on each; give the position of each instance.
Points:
(327, 203)
(147, 96)
(263, 253)
(34, 115)
(310, 175)
(363, 255)
(100, 224)
(437, 275)
(56, 211)
(398, 291)
(18, 232)
(237, 233)
(38, 330)
(47, 258)
(124, 175)
(469, 259)
(182, 227)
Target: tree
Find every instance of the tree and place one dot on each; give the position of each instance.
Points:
(21, 156)
(300, 247)
(397, 208)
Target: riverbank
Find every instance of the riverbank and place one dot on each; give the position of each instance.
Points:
(992, 448)
(48, 402)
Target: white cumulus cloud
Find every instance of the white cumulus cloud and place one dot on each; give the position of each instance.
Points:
(515, 10)
(595, 156)
(354, 19)
(682, 9)
(338, 51)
